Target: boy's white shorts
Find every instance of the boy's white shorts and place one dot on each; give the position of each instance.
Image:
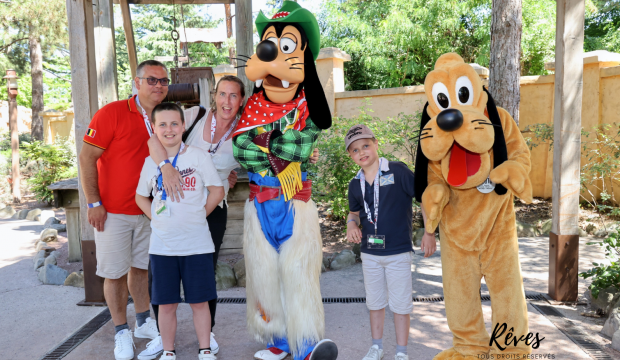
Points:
(387, 280)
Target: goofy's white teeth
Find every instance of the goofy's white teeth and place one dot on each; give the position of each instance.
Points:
(259, 82)
(285, 84)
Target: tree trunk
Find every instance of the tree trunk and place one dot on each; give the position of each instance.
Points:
(36, 71)
(505, 66)
(231, 50)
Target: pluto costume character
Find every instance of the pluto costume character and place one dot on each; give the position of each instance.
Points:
(464, 140)
(274, 139)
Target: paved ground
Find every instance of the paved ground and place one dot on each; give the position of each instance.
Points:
(34, 318)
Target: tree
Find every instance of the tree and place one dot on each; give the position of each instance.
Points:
(602, 25)
(505, 64)
(44, 28)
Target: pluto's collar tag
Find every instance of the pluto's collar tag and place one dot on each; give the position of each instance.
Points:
(486, 187)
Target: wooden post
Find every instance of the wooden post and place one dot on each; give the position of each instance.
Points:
(131, 43)
(15, 175)
(231, 51)
(245, 45)
(564, 237)
(105, 53)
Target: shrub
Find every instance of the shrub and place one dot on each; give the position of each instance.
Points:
(55, 162)
(604, 276)
(5, 140)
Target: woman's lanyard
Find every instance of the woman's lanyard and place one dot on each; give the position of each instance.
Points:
(145, 116)
(160, 178)
(212, 151)
(376, 196)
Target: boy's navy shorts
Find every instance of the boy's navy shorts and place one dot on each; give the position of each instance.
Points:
(195, 271)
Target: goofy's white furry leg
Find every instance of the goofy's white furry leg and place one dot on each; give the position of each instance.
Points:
(300, 269)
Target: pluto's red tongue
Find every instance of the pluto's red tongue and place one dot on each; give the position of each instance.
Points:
(463, 163)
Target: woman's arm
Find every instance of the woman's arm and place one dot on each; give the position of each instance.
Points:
(216, 195)
(144, 204)
(173, 181)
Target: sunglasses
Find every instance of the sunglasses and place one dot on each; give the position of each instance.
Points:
(153, 81)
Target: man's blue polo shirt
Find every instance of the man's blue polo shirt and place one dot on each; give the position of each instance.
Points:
(396, 193)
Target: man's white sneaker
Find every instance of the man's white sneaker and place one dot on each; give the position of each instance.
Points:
(123, 345)
(401, 356)
(215, 348)
(374, 353)
(268, 355)
(148, 330)
(168, 355)
(154, 348)
(206, 355)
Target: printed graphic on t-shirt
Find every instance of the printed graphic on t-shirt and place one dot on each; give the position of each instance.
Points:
(189, 179)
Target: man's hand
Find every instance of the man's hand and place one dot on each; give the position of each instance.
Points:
(173, 182)
(429, 244)
(314, 158)
(97, 217)
(354, 234)
(232, 179)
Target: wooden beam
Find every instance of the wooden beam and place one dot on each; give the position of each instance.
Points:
(229, 32)
(245, 45)
(184, 2)
(105, 52)
(567, 149)
(83, 84)
(131, 42)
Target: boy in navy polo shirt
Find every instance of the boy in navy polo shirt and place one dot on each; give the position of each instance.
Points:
(385, 236)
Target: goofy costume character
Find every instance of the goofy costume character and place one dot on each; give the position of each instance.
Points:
(273, 140)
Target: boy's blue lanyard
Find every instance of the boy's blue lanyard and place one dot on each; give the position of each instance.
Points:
(160, 178)
(376, 196)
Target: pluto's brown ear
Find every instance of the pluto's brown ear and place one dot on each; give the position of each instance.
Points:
(421, 161)
(500, 153)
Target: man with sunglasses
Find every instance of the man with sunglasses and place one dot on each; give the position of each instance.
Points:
(110, 164)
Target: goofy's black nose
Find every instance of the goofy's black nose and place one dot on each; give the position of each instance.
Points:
(267, 51)
(450, 120)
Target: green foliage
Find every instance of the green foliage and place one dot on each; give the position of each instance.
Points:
(603, 275)
(396, 136)
(55, 162)
(5, 140)
(602, 25)
(24, 96)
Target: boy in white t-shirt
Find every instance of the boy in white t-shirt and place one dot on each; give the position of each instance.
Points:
(179, 250)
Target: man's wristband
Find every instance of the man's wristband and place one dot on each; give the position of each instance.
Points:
(352, 220)
(161, 164)
(94, 205)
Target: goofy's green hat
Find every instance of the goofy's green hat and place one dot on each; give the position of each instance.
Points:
(292, 12)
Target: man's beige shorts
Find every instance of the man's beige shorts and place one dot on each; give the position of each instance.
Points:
(123, 243)
(387, 280)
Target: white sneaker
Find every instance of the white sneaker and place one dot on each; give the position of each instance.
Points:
(153, 349)
(215, 348)
(123, 345)
(374, 353)
(401, 356)
(148, 330)
(206, 355)
(168, 355)
(268, 355)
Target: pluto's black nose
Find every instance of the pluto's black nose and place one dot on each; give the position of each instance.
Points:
(267, 51)
(450, 120)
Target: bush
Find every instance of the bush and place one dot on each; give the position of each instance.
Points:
(605, 276)
(336, 169)
(5, 140)
(55, 162)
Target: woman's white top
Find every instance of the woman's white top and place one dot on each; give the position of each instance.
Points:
(223, 159)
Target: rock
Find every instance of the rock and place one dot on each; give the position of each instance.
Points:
(239, 270)
(53, 275)
(32, 213)
(59, 227)
(23, 214)
(417, 237)
(357, 250)
(51, 221)
(75, 279)
(344, 259)
(600, 233)
(582, 233)
(42, 245)
(611, 324)
(591, 228)
(615, 341)
(224, 276)
(2, 205)
(7, 212)
(39, 258)
(326, 261)
(46, 214)
(526, 230)
(49, 235)
(323, 268)
(51, 259)
(37, 218)
(605, 297)
(546, 228)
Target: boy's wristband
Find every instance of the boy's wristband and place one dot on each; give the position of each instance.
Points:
(161, 164)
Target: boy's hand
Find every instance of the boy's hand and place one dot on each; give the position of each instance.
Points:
(429, 244)
(354, 234)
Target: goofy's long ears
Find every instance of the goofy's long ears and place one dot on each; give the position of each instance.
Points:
(315, 96)
(500, 153)
(421, 161)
